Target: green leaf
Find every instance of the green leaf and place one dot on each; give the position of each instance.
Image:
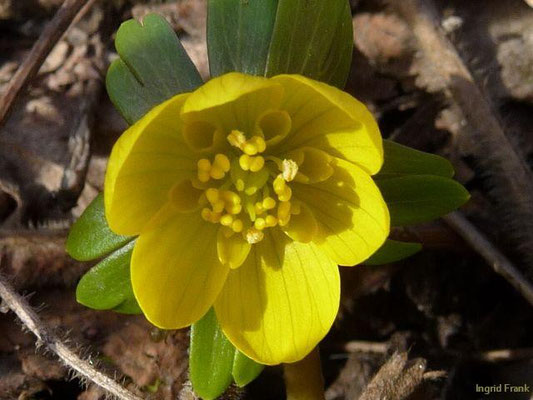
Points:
(403, 160)
(90, 237)
(128, 306)
(107, 285)
(152, 68)
(414, 199)
(393, 251)
(210, 358)
(245, 370)
(312, 38)
(238, 35)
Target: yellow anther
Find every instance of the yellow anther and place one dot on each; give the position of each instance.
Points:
(260, 224)
(269, 203)
(212, 195)
(204, 167)
(286, 195)
(234, 208)
(245, 161)
(226, 220)
(254, 235)
(283, 191)
(216, 172)
(255, 145)
(260, 143)
(271, 221)
(257, 163)
(278, 184)
(284, 213)
(221, 161)
(250, 149)
(231, 197)
(204, 164)
(237, 226)
(219, 206)
(236, 138)
(203, 176)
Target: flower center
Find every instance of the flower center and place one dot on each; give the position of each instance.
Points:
(247, 192)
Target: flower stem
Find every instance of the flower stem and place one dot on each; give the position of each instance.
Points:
(303, 379)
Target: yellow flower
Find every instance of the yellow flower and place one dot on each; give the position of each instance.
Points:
(246, 195)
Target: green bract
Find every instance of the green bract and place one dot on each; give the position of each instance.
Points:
(153, 67)
(214, 362)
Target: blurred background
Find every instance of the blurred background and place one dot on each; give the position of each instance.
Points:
(449, 77)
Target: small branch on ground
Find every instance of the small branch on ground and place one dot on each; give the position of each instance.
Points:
(45, 336)
(494, 257)
(40, 50)
(362, 346)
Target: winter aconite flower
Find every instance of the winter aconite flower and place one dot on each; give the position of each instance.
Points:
(246, 195)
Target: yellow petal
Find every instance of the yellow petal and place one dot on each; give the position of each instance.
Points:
(314, 165)
(353, 219)
(184, 196)
(175, 272)
(332, 120)
(147, 160)
(232, 250)
(232, 101)
(303, 226)
(281, 302)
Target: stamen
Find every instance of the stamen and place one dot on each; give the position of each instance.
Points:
(271, 221)
(251, 147)
(281, 188)
(248, 188)
(254, 236)
(255, 145)
(219, 206)
(269, 203)
(244, 162)
(220, 166)
(236, 138)
(289, 169)
(204, 167)
(257, 163)
(284, 213)
(216, 170)
(237, 226)
(260, 224)
(212, 195)
(226, 220)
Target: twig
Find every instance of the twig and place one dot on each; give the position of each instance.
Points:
(486, 249)
(44, 335)
(40, 50)
(361, 346)
(509, 175)
(494, 356)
